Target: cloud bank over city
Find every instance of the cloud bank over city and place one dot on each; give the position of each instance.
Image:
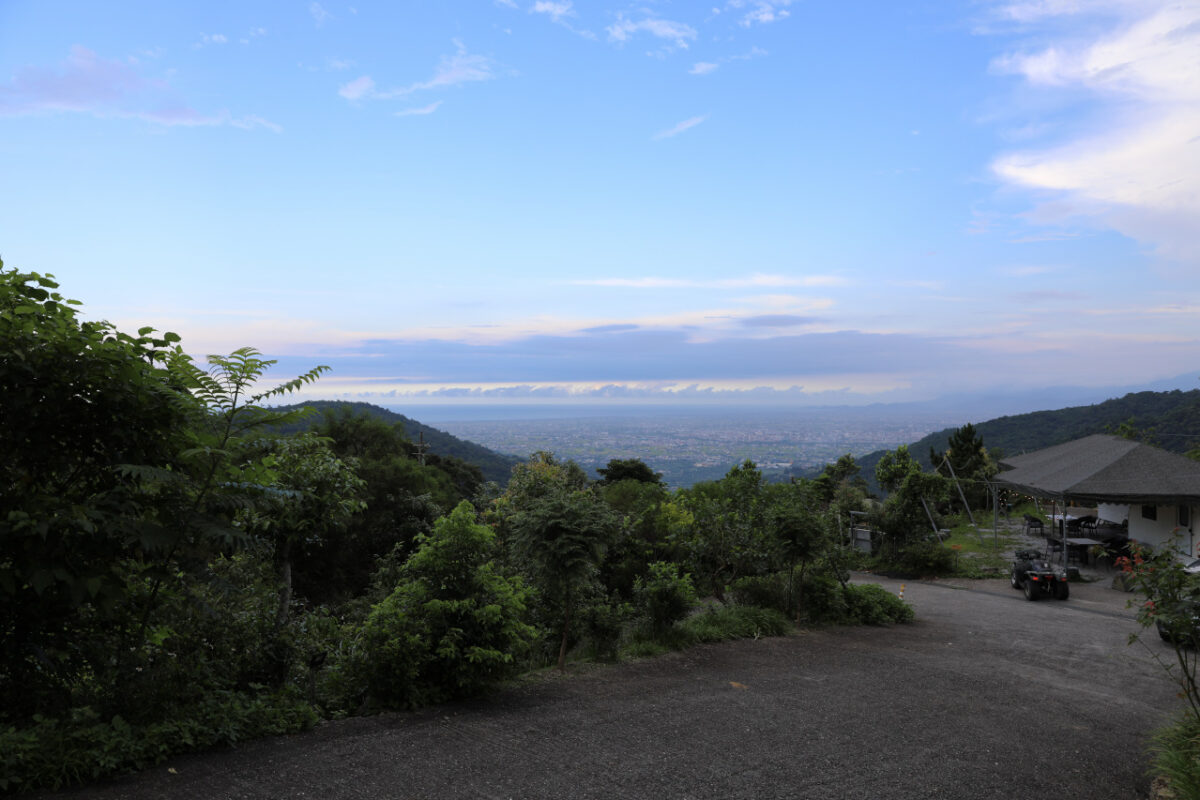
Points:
(761, 202)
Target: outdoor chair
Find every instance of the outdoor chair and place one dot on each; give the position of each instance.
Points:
(1032, 524)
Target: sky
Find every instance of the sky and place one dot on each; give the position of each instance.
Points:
(759, 201)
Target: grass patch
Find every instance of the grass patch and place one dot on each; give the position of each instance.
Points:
(1176, 751)
(980, 552)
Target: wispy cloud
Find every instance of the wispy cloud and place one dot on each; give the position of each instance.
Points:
(560, 12)
(207, 39)
(707, 67)
(1138, 170)
(453, 70)
(680, 127)
(423, 110)
(760, 12)
(752, 281)
(88, 84)
(360, 87)
(318, 13)
(677, 33)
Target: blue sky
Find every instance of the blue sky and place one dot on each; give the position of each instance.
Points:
(761, 200)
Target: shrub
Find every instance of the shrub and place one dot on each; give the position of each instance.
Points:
(871, 604)
(925, 557)
(779, 590)
(733, 622)
(51, 753)
(604, 623)
(454, 625)
(664, 596)
(827, 601)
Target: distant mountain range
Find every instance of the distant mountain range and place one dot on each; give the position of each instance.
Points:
(495, 466)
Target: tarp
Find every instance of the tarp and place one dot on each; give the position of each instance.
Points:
(1104, 468)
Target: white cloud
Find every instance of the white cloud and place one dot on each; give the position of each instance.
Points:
(681, 127)
(1138, 170)
(423, 110)
(88, 84)
(462, 67)
(319, 14)
(678, 33)
(761, 12)
(705, 67)
(207, 39)
(756, 280)
(556, 11)
(358, 88)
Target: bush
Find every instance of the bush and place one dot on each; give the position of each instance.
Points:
(453, 627)
(925, 557)
(733, 622)
(871, 604)
(51, 753)
(829, 602)
(604, 624)
(664, 596)
(779, 590)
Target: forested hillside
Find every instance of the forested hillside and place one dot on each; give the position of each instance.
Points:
(495, 466)
(1170, 420)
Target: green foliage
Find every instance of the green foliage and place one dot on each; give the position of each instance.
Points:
(829, 602)
(728, 536)
(1170, 597)
(664, 596)
(604, 624)
(454, 625)
(894, 466)
(917, 558)
(559, 534)
(493, 466)
(726, 623)
(84, 746)
(628, 469)
(778, 590)
(1176, 749)
(904, 516)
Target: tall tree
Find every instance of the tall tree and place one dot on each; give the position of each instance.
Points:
(561, 536)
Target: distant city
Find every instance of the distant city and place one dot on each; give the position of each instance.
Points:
(686, 445)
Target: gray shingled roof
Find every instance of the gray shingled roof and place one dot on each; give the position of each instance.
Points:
(1105, 468)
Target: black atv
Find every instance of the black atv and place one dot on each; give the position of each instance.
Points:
(1035, 576)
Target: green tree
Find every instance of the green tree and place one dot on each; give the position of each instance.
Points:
(561, 537)
(314, 493)
(894, 466)
(628, 469)
(86, 412)
(453, 626)
(728, 537)
(970, 461)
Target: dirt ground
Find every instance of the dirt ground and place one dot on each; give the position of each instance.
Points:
(986, 695)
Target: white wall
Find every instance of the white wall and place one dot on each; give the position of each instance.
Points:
(1156, 532)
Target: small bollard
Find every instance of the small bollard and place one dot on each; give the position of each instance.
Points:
(902, 591)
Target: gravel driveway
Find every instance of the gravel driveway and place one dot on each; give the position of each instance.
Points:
(986, 695)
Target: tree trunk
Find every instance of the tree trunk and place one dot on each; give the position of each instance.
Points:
(562, 649)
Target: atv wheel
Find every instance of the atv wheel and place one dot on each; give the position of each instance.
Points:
(1062, 590)
(1012, 578)
(1031, 589)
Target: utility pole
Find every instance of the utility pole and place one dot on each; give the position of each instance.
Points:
(421, 447)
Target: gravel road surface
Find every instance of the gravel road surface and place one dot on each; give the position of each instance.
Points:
(986, 695)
